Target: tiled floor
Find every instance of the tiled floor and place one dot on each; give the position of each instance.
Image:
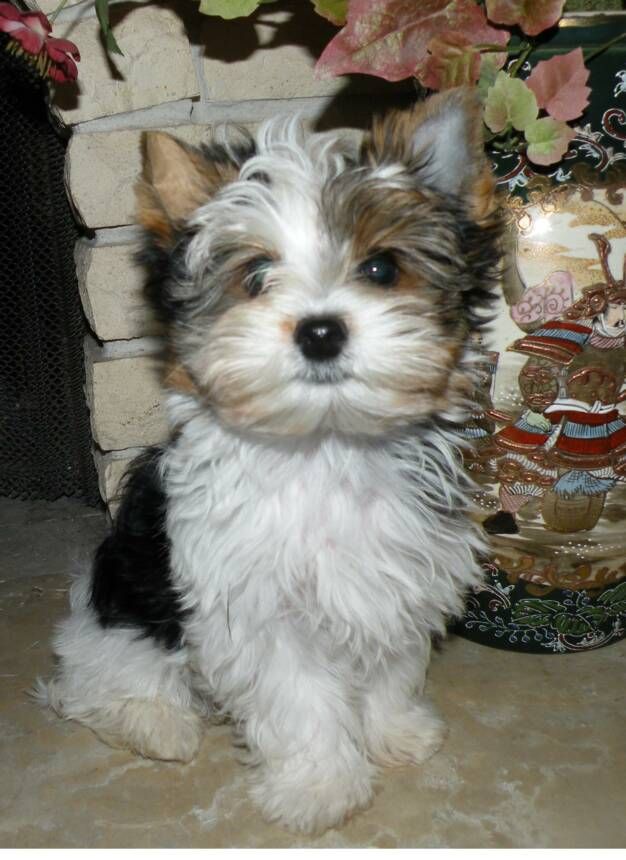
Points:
(536, 755)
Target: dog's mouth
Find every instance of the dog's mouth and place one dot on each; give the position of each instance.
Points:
(328, 373)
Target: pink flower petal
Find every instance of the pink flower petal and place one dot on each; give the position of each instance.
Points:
(29, 29)
(64, 71)
(37, 22)
(30, 41)
(9, 13)
(58, 48)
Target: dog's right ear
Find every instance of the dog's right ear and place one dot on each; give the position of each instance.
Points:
(176, 180)
(440, 142)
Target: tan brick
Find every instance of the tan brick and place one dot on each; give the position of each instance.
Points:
(48, 6)
(279, 62)
(111, 287)
(102, 169)
(125, 400)
(111, 468)
(156, 65)
(270, 56)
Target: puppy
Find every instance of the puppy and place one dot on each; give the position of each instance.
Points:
(289, 554)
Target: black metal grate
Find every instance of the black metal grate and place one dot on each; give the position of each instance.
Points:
(45, 438)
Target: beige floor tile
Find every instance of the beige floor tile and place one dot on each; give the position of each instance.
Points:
(535, 757)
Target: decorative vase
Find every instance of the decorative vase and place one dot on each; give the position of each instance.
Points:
(548, 440)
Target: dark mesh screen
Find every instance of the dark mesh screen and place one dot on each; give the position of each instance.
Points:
(45, 438)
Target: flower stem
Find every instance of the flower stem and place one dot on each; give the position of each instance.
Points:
(603, 48)
(517, 65)
(488, 48)
(52, 15)
(504, 141)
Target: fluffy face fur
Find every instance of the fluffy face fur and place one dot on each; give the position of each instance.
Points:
(288, 233)
(287, 557)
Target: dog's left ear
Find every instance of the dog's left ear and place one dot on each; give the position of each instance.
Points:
(176, 180)
(440, 141)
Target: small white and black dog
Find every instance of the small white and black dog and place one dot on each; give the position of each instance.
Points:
(286, 558)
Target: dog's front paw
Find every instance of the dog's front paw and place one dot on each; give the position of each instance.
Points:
(406, 738)
(149, 727)
(309, 796)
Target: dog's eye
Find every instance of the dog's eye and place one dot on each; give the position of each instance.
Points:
(256, 272)
(381, 269)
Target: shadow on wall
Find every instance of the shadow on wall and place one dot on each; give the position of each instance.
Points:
(290, 22)
(293, 22)
(277, 25)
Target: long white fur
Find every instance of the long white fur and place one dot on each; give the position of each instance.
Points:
(312, 546)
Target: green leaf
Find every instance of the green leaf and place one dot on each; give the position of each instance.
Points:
(509, 103)
(488, 73)
(531, 619)
(539, 604)
(571, 624)
(102, 11)
(615, 597)
(535, 612)
(548, 140)
(334, 11)
(229, 8)
(595, 614)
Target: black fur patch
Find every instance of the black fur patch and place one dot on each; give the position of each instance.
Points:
(237, 152)
(481, 251)
(131, 582)
(165, 268)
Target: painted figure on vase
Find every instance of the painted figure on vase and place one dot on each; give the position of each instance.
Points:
(568, 446)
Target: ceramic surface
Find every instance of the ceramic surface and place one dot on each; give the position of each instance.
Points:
(548, 440)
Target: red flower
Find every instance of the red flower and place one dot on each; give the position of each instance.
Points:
(29, 33)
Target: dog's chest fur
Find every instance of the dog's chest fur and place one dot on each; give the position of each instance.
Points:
(353, 538)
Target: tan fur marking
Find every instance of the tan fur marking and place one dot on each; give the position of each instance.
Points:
(391, 139)
(151, 214)
(177, 377)
(448, 387)
(482, 197)
(380, 221)
(176, 180)
(288, 327)
(235, 271)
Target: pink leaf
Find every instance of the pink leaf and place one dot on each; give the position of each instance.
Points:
(533, 16)
(451, 62)
(390, 38)
(559, 85)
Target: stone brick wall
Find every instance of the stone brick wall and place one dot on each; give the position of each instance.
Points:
(186, 73)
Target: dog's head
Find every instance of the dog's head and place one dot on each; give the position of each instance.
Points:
(312, 284)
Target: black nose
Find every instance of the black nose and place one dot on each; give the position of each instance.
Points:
(321, 338)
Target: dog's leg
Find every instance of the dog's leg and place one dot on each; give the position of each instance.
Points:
(306, 738)
(400, 725)
(128, 689)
